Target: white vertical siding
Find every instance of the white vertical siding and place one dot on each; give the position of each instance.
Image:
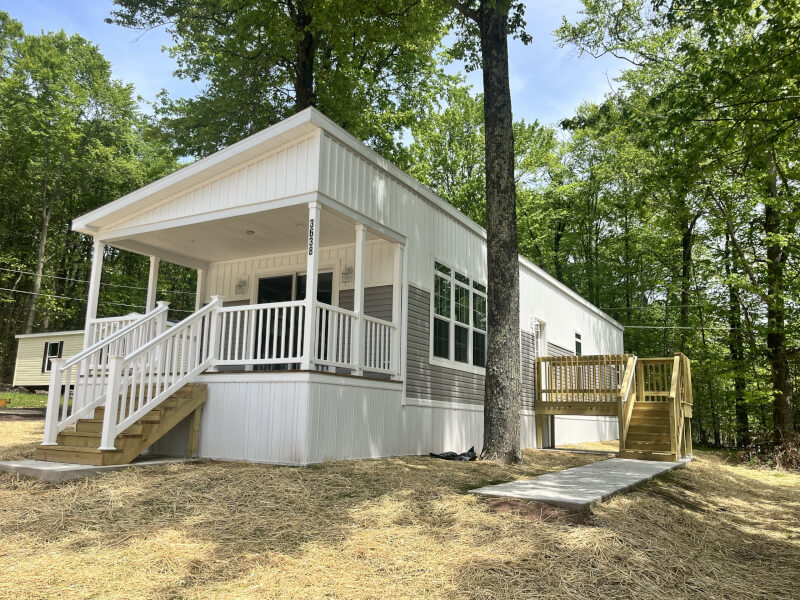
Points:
(563, 315)
(288, 171)
(431, 233)
(223, 276)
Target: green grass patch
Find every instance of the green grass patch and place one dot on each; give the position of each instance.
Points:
(18, 400)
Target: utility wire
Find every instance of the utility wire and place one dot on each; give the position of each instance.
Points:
(131, 287)
(81, 299)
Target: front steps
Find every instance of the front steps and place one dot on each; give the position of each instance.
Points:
(649, 433)
(80, 445)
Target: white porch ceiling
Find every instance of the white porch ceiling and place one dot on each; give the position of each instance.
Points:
(273, 232)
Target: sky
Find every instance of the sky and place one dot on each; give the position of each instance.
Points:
(547, 82)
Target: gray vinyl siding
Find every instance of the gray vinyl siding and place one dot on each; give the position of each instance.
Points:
(528, 368)
(427, 381)
(554, 350)
(377, 301)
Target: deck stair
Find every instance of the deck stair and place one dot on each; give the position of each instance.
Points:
(651, 397)
(81, 445)
(648, 433)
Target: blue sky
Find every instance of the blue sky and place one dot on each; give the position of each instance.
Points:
(547, 83)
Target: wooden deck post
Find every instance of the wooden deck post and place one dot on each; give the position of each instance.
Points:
(312, 271)
(194, 433)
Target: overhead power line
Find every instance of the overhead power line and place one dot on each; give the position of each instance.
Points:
(119, 285)
(678, 327)
(80, 299)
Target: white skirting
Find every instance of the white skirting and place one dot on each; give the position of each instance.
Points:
(304, 418)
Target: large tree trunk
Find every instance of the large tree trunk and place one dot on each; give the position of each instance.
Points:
(501, 436)
(306, 47)
(782, 406)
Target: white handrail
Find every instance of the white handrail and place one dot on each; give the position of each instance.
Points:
(141, 381)
(84, 376)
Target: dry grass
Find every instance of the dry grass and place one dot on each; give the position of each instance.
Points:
(396, 528)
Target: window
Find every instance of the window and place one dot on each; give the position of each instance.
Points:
(578, 344)
(459, 317)
(51, 350)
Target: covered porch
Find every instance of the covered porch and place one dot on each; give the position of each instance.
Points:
(302, 286)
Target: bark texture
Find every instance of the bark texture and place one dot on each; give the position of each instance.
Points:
(501, 436)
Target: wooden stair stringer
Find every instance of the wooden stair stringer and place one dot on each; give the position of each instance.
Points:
(80, 446)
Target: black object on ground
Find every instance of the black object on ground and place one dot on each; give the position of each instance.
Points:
(464, 456)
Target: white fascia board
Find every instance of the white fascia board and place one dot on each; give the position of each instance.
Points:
(49, 334)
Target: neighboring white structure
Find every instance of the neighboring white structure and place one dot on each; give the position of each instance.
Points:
(341, 308)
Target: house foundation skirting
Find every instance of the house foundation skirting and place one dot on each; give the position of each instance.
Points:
(305, 418)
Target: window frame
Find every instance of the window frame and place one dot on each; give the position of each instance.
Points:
(577, 339)
(451, 362)
(47, 358)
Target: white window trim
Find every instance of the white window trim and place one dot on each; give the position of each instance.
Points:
(575, 334)
(451, 363)
(46, 359)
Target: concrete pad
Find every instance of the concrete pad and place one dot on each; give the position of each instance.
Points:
(56, 472)
(579, 488)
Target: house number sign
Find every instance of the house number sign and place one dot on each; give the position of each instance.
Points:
(310, 237)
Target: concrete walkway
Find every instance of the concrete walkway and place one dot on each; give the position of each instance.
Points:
(579, 488)
(56, 472)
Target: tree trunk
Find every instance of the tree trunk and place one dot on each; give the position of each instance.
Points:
(306, 50)
(736, 348)
(782, 406)
(501, 436)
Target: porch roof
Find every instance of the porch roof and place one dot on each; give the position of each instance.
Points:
(268, 232)
(197, 172)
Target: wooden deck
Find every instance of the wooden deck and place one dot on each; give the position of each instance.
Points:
(651, 397)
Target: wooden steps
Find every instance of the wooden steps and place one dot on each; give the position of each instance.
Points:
(649, 433)
(80, 445)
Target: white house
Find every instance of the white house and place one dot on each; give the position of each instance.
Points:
(341, 311)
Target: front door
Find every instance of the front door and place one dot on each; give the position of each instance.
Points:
(285, 288)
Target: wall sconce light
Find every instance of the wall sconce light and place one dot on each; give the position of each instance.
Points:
(347, 275)
(242, 286)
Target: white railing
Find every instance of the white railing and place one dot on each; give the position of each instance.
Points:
(141, 381)
(333, 345)
(378, 339)
(262, 334)
(100, 329)
(78, 385)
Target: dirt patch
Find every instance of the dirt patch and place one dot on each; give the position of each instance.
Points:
(537, 512)
(21, 414)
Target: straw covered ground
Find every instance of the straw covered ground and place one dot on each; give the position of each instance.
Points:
(394, 528)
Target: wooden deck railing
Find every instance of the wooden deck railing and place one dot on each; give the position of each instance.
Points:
(611, 385)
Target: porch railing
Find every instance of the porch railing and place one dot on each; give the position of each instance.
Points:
(100, 329)
(334, 343)
(378, 344)
(261, 334)
(78, 385)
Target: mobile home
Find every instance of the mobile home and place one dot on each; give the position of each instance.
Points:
(341, 313)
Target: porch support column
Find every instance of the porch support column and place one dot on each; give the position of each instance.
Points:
(200, 290)
(152, 284)
(358, 299)
(397, 304)
(312, 268)
(94, 290)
